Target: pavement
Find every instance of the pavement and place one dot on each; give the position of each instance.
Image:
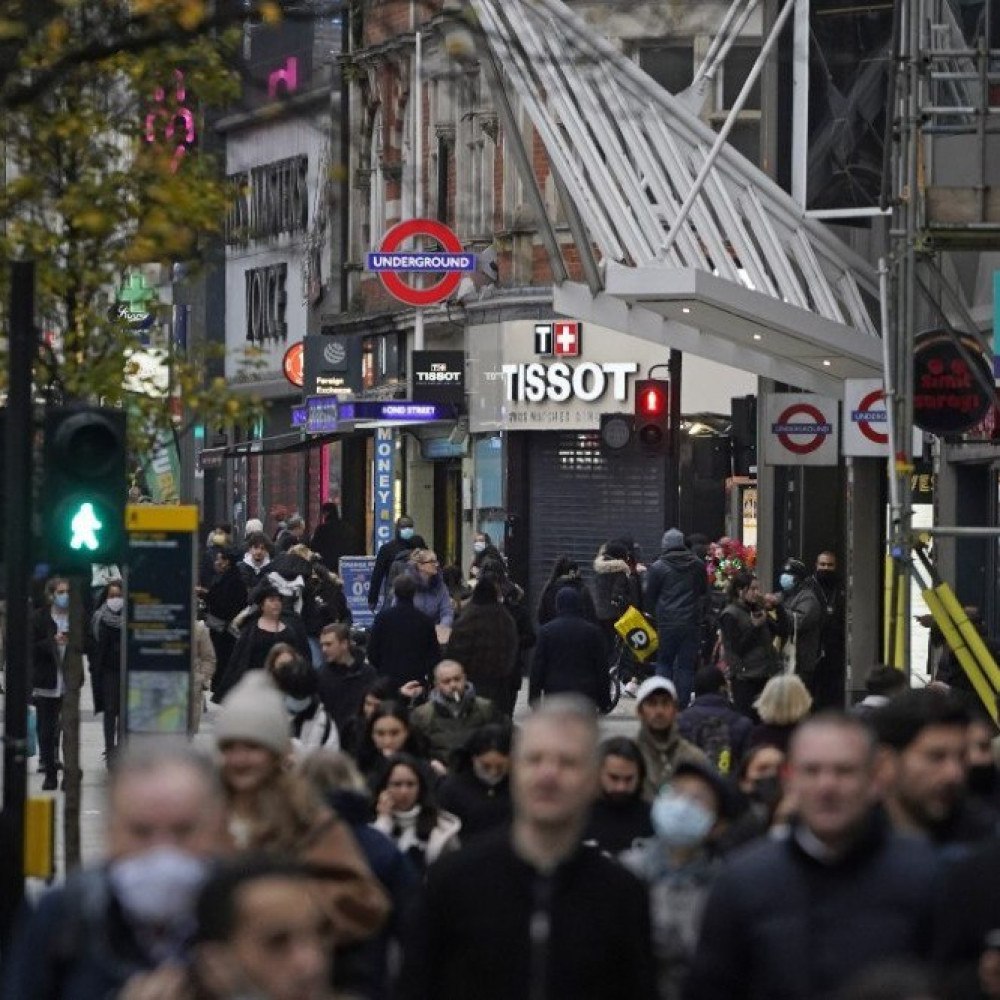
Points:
(93, 811)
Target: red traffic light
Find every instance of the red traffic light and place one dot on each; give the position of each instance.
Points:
(652, 399)
(652, 413)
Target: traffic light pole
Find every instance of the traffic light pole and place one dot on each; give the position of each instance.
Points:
(672, 484)
(18, 444)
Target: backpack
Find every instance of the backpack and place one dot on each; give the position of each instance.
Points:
(712, 737)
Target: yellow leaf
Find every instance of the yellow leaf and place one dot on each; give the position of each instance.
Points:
(57, 33)
(191, 14)
(270, 12)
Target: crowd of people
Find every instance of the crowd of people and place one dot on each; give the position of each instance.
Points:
(373, 825)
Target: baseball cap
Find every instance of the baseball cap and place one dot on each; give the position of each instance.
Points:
(653, 684)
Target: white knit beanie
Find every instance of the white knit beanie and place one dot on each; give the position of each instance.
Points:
(254, 712)
(253, 527)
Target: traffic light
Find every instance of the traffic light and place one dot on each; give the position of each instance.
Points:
(84, 488)
(652, 414)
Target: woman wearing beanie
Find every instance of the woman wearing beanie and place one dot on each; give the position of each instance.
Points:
(271, 809)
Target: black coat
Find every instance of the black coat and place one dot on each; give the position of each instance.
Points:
(342, 689)
(749, 648)
(780, 925)
(45, 657)
(403, 644)
(328, 541)
(227, 595)
(695, 724)
(570, 656)
(676, 591)
(479, 806)
(547, 602)
(384, 559)
(471, 935)
(485, 641)
(252, 647)
(613, 827)
(108, 651)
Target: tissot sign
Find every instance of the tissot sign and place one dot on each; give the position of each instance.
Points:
(438, 376)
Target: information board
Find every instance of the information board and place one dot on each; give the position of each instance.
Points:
(356, 572)
(158, 648)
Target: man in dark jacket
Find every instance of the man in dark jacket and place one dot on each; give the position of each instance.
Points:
(570, 655)
(676, 595)
(452, 713)
(712, 724)
(796, 917)
(804, 620)
(829, 590)
(328, 538)
(406, 540)
(530, 912)
(619, 816)
(344, 676)
(403, 644)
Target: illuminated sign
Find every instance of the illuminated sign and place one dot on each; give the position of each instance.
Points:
(172, 124)
(287, 76)
(322, 416)
(398, 410)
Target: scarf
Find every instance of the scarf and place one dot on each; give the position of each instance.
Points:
(113, 619)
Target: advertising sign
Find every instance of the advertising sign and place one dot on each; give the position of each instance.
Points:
(384, 485)
(322, 415)
(332, 365)
(159, 618)
(356, 572)
(800, 429)
(948, 397)
(438, 377)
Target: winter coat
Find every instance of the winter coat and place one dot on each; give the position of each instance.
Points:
(615, 826)
(470, 936)
(697, 721)
(662, 754)
(781, 925)
(108, 652)
(547, 602)
(748, 647)
(402, 828)
(479, 806)
(226, 598)
(323, 602)
(252, 647)
(803, 608)
(252, 575)
(378, 587)
(615, 588)
(447, 725)
(432, 597)
(485, 641)
(328, 541)
(46, 661)
(403, 644)
(676, 590)
(342, 689)
(570, 656)
(313, 729)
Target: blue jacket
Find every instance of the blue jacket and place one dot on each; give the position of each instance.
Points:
(432, 597)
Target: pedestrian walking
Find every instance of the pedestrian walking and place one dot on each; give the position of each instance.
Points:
(256, 562)
(676, 594)
(225, 598)
(826, 584)
(328, 538)
(431, 596)
(204, 671)
(107, 665)
(312, 728)
(713, 724)
(505, 913)
(291, 534)
(388, 733)
(782, 705)
(50, 637)
(344, 676)
(403, 644)
(619, 817)
(402, 545)
(565, 573)
(477, 786)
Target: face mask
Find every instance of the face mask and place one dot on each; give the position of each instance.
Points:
(159, 887)
(487, 777)
(115, 604)
(680, 821)
(826, 575)
(406, 533)
(60, 600)
(620, 798)
(296, 705)
(786, 581)
(767, 791)
(479, 546)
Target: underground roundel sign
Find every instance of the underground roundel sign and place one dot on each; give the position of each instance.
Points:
(448, 261)
(801, 430)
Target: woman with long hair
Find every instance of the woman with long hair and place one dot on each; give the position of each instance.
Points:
(271, 809)
(407, 812)
(477, 790)
(565, 573)
(388, 732)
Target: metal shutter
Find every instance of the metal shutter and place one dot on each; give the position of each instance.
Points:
(582, 495)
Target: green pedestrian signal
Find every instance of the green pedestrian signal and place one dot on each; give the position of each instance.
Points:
(84, 491)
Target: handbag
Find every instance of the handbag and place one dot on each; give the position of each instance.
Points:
(638, 634)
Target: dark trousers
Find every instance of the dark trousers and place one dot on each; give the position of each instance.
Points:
(48, 712)
(223, 643)
(677, 658)
(111, 685)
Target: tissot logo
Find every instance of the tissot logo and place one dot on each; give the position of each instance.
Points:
(561, 338)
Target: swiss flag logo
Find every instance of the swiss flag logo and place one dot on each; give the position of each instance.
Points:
(566, 338)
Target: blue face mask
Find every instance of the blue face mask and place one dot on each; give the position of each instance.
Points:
(296, 705)
(406, 533)
(786, 581)
(60, 600)
(680, 821)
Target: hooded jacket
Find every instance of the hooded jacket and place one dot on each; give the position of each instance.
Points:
(615, 587)
(676, 586)
(570, 655)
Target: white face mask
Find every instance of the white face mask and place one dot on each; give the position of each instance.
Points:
(158, 888)
(296, 705)
(479, 546)
(115, 604)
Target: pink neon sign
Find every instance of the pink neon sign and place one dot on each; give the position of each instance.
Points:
(288, 75)
(173, 126)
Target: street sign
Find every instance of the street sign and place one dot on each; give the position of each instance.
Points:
(159, 619)
(948, 398)
(800, 429)
(866, 422)
(389, 262)
(356, 572)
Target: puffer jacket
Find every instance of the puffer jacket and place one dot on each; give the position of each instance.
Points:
(676, 590)
(615, 588)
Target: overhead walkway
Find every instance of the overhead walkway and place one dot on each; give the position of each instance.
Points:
(683, 241)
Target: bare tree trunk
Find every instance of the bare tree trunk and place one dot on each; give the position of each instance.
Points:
(73, 674)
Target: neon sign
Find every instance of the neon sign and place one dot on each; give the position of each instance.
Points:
(288, 75)
(174, 126)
